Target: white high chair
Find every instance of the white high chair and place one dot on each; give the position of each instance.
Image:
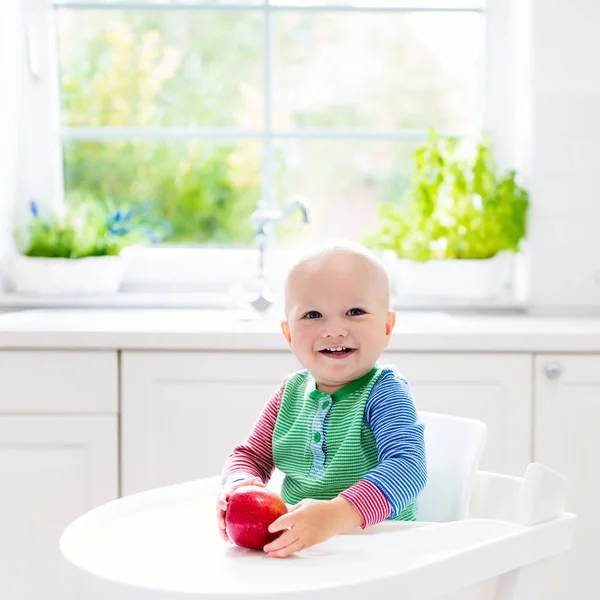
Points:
(484, 536)
(453, 446)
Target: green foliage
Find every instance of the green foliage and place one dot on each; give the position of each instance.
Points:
(205, 193)
(86, 228)
(457, 207)
(128, 73)
(159, 69)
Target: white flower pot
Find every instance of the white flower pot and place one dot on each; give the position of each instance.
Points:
(487, 280)
(90, 275)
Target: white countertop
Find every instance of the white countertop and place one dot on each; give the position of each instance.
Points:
(188, 329)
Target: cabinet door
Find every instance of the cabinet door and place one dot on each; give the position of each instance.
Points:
(182, 412)
(567, 429)
(493, 388)
(52, 469)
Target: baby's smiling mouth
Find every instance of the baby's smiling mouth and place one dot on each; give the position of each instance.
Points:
(337, 351)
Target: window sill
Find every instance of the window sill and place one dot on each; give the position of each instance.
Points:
(217, 278)
(208, 301)
(217, 301)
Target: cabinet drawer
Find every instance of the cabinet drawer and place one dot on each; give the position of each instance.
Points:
(58, 382)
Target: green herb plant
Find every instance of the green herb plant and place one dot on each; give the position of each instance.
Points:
(458, 207)
(82, 229)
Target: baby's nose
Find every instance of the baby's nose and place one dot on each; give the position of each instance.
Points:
(333, 329)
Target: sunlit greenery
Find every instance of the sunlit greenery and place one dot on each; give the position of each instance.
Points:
(459, 206)
(84, 228)
(128, 74)
(204, 69)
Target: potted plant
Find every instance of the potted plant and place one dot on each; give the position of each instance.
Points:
(74, 251)
(461, 228)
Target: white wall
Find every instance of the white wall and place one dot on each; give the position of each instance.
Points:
(564, 154)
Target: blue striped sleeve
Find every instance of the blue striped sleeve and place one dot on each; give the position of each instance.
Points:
(391, 415)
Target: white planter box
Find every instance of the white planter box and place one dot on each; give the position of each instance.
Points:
(489, 280)
(90, 275)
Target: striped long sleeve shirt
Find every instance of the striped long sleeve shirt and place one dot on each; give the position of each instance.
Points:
(363, 442)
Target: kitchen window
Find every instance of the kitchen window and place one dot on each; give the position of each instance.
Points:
(194, 112)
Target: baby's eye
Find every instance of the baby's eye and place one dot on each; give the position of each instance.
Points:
(355, 312)
(312, 314)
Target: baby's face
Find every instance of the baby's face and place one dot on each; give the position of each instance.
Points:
(338, 317)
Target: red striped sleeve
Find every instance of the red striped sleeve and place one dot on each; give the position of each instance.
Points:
(254, 457)
(369, 501)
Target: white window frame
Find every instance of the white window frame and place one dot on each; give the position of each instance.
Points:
(185, 269)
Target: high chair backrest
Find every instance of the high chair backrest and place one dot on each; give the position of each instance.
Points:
(453, 447)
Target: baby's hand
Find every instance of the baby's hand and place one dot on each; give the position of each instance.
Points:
(311, 522)
(223, 497)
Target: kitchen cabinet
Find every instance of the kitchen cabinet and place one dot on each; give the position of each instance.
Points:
(59, 458)
(182, 412)
(53, 469)
(567, 438)
(80, 428)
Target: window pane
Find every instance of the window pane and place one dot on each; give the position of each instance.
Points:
(377, 71)
(344, 182)
(205, 192)
(160, 69)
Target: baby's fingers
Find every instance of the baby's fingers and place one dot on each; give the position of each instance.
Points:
(283, 541)
(222, 501)
(284, 522)
(221, 518)
(288, 550)
(223, 533)
(221, 524)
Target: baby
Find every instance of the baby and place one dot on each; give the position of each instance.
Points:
(344, 431)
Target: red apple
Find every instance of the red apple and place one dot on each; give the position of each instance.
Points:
(250, 511)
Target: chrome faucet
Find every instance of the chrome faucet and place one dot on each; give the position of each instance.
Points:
(263, 217)
(263, 220)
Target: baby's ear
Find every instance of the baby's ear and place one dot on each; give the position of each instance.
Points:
(390, 322)
(285, 329)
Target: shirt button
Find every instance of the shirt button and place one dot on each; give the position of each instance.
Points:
(317, 437)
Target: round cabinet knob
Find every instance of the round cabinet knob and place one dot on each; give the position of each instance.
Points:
(553, 370)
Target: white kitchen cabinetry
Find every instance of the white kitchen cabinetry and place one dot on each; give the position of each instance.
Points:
(182, 412)
(493, 388)
(55, 464)
(567, 438)
(40, 382)
(52, 469)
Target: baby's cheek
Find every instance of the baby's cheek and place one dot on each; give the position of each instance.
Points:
(303, 341)
(302, 350)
